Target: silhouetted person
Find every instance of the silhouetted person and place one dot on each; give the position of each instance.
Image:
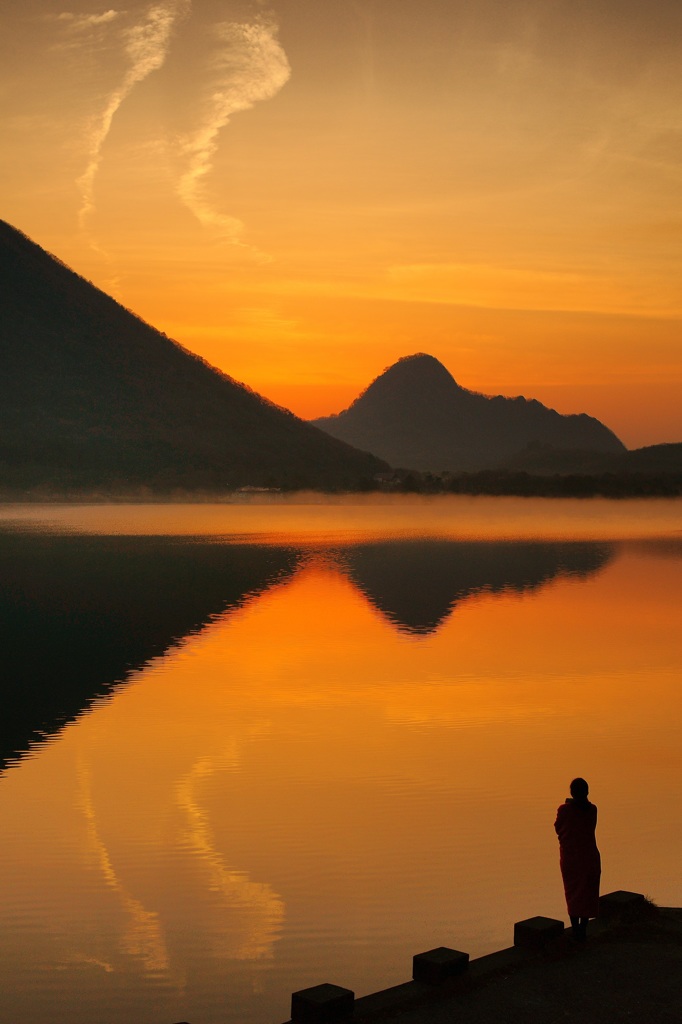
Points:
(576, 821)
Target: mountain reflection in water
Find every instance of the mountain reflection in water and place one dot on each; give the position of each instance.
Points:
(344, 750)
(416, 584)
(80, 613)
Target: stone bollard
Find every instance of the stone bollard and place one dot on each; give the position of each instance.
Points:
(537, 932)
(622, 904)
(321, 1003)
(438, 965)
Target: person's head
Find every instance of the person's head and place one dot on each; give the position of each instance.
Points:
(579, 790)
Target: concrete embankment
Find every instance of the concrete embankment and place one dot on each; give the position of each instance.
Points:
(629, 970)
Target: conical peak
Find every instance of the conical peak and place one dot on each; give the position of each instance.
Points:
(416, 416)
(412, 383)
(419, 374)
(421, 366)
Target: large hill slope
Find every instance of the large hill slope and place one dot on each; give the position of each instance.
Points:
(91, 397)
(416, 416)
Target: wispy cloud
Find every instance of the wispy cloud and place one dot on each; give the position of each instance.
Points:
(249, 66)
(146, 45)
(83, 22)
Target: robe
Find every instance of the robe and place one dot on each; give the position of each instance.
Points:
(579, 857)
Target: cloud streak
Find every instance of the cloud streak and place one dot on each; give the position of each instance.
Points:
(146, 47)
(249, 66)
(84, 22)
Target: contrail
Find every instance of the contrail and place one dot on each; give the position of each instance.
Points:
(82, 22)
(146, 47)
(250, 66)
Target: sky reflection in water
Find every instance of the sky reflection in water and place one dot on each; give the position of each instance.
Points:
(346, 755)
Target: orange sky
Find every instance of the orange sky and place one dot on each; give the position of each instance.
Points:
(304, 191)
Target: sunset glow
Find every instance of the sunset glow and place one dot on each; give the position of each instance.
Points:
(304, 192)
(235, 798)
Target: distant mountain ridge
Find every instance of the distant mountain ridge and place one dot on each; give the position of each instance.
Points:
(92, 397)
(657, 460)
(416, 416)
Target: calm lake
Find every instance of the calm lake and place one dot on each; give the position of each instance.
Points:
(249, 748)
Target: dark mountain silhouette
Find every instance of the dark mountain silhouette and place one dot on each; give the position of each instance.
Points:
(542, 459)
(416, 416)
(417, 583)
(79, 613)
(92, 397)
(656, 458)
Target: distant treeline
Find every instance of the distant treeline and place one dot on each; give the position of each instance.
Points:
(485, 482)
(522, 484)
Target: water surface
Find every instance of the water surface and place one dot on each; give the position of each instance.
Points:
(261, 751)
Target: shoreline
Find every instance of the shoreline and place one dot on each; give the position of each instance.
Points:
(629, 969)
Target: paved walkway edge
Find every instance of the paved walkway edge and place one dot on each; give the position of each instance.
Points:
(535, 939)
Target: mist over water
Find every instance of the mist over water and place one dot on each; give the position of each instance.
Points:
(248, 750)
(311, 518)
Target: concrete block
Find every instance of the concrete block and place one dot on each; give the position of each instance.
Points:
(438, 965)
(536, 932)
(622, 904)
(321, 1003)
